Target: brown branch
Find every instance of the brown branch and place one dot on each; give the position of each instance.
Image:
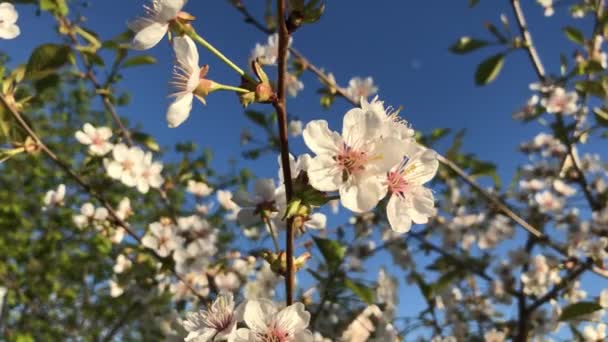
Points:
(527, 37)
(280, 106)
(86, 187)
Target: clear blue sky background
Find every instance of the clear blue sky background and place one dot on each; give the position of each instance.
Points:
(402, 44)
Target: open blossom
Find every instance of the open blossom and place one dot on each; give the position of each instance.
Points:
(122, 264)
(295, 128)
(540, 277)
(393, 124)
(148, 174)
(267, 54)
(188, 80)
(115, 289)
(161, 238)
(199, 189)
(293, 84)
(410, 201)
(217, 323)
(561, 102)
(266, 323)
(153, 26)
(548, 6)
(356, 162)
(89, 214)
(359, 87)
(8, 20)
(261, 203)
(97, 139)
(54, 198)
(124, 163)
(547, 202)
(595, 334)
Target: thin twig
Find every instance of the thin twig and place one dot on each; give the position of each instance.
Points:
(527, 37)
(68, 170)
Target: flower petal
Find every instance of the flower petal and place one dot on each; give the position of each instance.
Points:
(256, 312)
(293, 318)
(186, 52)
(179, 110)
(396, 211)
(323, 173)
(9, 32)
(320, 139)
(149, 36)
(361, 195)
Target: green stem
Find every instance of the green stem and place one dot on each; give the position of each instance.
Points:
(231, 88)
(217, 53)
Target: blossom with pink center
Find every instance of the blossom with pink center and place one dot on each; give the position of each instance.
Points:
(548, 202)
(96, 138)
(216, 323)
(561, 102)
(259, 205)
(162, 239)
(361, 87)
(409, 200)
(267, 324)
(148, 174)
(356, 162)
(124, 162)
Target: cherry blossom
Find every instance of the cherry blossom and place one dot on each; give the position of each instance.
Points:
(354, 163)
(259, 205)
(161, 238)
(199, 189)
(124, 163)
(267, 54)
(153, 26)
(410, 201)
(8, 20)
(560, 101)
(54, 198)
(148, 174)
(188, 81)
(97, 139)
(216, 323)
(266, 322)
(359, 87)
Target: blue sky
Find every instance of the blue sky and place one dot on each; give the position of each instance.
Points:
(402, 44)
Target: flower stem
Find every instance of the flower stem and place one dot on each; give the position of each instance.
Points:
(277, 248)
(217, 53)
(231, 88)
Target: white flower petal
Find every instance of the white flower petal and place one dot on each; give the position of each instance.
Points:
(149, 36)
(320, 139)
(255, 312)
(179, 110)
(186, 52)
(323, 173)
(396, 211)
(362, 195)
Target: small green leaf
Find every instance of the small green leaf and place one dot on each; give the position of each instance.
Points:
(47, 58)
(473, 3)
(332, 251)
(365, 293)
(574, 35)
(489, 69)
(257, 117)
(139, 60)
(577, 310)
(467, 44)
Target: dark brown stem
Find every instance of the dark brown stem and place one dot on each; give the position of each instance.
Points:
(280, 107)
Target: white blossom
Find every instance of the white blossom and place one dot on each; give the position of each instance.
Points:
(153, 26)
(54, 198)
(295, 128)
(8, 20)
(199, 189)
(359, 87)
(161, 238)
(561, 102)
(217, 323)
(356, 162)
(148, 174)
(122, 264)
(124, 163)
(265, 322)
(268, 54)
(97, 139)
(261, 203)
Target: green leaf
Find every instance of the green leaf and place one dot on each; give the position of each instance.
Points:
(47, 58)
(467, 44)
(365, 293)
(489, 69)
(601, 116)
(332, 251)
(139, 60)
(574, 35)
(257, 117)
(59, 7)
(147, 140)
(473, 3)
(577, 310)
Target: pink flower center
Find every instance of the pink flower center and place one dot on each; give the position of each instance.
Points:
(273, 334)
(397, 184)
(128, 164)
(351, 161)
(98, 140)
